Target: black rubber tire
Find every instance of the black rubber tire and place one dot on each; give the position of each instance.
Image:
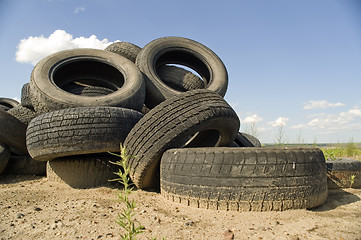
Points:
(340, 172)
(125, 49)
(245, 179)
(75, 131)
(12, 133)
(25, 96)
(245, 140)
(254, 141)
(198, 118)
(4, 157)
(182, 51)
(24, 114)
(179, 78)
(25, 165)
(8, 103)
(84, 171)
(90, 91)
(93, 66)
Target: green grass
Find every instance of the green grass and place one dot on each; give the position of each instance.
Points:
(347, 150)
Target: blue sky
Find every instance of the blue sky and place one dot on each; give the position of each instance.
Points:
(293, 66)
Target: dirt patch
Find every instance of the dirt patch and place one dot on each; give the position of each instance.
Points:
(36, 208)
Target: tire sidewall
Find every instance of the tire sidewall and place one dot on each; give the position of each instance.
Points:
(130, 94)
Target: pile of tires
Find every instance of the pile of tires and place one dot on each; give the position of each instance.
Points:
(164, 102)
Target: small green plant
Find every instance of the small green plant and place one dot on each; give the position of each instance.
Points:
(352, 179)
(126, 218)
(329, 154)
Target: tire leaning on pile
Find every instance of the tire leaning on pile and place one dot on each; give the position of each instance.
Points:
(245, 179)
(182, 51)
(176, 77)
(197, 118)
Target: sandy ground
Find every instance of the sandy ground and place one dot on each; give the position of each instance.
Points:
(35, 208)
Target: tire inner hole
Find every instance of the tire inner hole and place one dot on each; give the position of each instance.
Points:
(206, 138)
(86, 73)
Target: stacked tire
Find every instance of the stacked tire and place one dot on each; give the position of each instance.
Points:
(164, 102)
(14, 156)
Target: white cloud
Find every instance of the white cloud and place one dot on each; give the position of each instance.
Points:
(79, 9)
(299, 126)
(281, 121)
(312, 104)
(336, 122)
(355, 112)
(33, 49)
(252, 119)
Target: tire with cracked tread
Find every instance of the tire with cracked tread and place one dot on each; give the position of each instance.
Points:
(76, 131)
(24, 114)
(181, 51)
(25, 96)
(125, 49)
(92, 66)
(12, 133)
(83, 171)
(245, 179)
(198, 118)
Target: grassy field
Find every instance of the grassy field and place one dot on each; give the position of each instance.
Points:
(332, 151)
(348, 150)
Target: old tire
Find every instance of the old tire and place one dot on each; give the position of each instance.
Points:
(343, 173)
(179, 78)
(182, 51)
(24, 114)
(198, 118)
(76, 131)
(125, 49)
(246, 140)
(90, 91)
(245, 179)
(25, 165)
(93, 66)
(12, 133)
(25, 96)
(4, 157)
(83, 171)
(8, 103)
